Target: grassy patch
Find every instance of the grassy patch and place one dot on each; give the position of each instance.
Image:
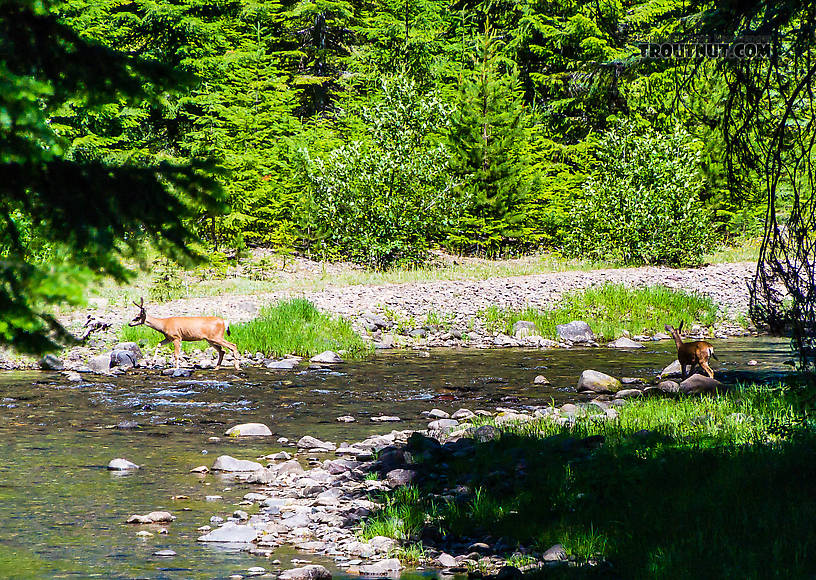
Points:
(290, 327)
(610, 309)
(296, 327)
(707, 487)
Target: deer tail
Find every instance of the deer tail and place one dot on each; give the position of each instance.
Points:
(229, 334)
(711, 353)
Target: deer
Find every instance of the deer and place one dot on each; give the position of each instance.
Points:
(692, 353)
(178, 328)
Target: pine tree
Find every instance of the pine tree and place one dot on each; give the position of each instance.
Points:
(488, 144)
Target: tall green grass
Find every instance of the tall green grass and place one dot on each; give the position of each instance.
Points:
(296, 327)
(610, 309)
(289, 327)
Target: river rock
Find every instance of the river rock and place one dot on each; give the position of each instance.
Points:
(122, 358)
(132, 348)
(231, 533)
(463, 414)
(386, 419)
(285, 364)
(152, 518)
(576, 332)
(673, 370)
(228, 463)
(624, 342)
(486, 433)
(121, 464)
(249, 430)
(524, 328)
(442, 424)
(346, 419)
(438, 414)
(164, 553)
(541, 380)
(696, 384)
(383, 567)
(629, 393)
(327, 357)
(554, 553)
(309, 442)
(291, 467)
(446, 560)
(598, 382)
(668, 386)
(400, 477)
(310, 572)
(51, 362)
(100, 363)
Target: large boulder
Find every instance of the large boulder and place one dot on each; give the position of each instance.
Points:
(598, 382)
(313, 443)
(122, 359)
(576, 332)
(51, 362)
(249, 430)
(697, 384)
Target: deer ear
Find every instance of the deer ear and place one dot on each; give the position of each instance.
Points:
(679, 328)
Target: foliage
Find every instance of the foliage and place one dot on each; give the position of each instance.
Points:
(380, 200)
(488, 143)
(610, 310)
(641, 205)
(72, 163)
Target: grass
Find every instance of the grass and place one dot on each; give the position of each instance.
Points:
(611, 309)
(743, 250)
(708, 487)
(292, 326)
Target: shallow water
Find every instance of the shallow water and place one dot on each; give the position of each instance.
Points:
(62, 512)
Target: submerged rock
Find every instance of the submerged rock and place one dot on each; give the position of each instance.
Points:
(151, 518)
(624, 342)
(231, 533)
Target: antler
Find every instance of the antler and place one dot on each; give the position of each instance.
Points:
(140, 305)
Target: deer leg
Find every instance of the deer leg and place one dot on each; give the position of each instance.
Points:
(161, 344)
(682, 371)
(707, 368)
(220, 352)
(177, 350)
(234, 349)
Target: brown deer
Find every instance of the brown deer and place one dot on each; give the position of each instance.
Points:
(692, 353)
(178, 328)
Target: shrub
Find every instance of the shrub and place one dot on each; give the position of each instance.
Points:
(642, 205)
(380, 201)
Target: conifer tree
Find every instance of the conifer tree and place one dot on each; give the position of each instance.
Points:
(487, 142)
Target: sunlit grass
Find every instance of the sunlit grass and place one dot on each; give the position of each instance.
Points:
(611, 309)
(742, 250)
(289, 327)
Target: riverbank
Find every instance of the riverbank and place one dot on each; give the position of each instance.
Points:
(447, 313)
(598, 488)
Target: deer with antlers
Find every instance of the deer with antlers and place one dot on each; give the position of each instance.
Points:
(178, 328)
(691, 353)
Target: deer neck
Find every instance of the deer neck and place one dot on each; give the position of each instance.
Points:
(677, 340)
(155, 323)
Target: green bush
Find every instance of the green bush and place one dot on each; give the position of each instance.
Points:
(381, 200)
(642, 205)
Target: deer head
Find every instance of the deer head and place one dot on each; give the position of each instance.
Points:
(140, 318)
